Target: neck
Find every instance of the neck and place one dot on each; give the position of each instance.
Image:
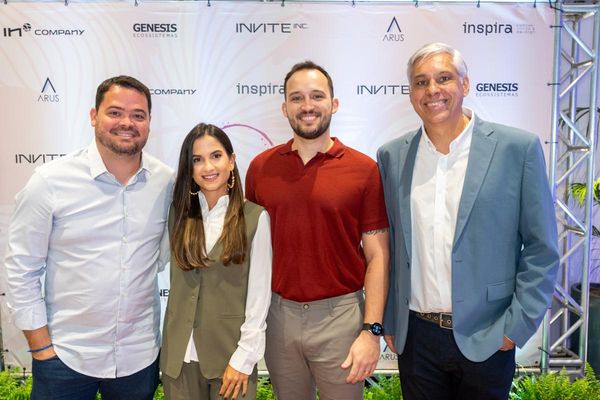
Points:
(442, 135)
(122, 166)
(308, 148)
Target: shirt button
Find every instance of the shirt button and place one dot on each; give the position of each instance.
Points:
(306, 306)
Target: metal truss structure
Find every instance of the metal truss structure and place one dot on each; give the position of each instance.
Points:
(574, 135)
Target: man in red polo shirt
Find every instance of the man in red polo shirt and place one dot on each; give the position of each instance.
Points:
(330, 239)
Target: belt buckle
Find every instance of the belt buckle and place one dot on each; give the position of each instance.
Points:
(441, 322)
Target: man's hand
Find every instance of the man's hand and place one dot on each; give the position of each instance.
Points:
(363, 357)
(232, 382)
(389, 340)
(507, 344)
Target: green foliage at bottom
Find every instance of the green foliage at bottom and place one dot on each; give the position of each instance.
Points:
(555, 386)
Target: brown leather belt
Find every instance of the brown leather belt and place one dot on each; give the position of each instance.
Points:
(443, 320)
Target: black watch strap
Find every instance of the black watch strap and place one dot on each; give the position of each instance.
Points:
(375, 328)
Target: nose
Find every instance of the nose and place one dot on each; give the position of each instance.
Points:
(432, 87)
(126, 120)
(307, 105)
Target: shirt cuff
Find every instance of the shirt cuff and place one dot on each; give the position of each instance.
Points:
(243, 361)
(30, 318)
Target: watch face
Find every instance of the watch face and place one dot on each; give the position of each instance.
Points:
(377, 329)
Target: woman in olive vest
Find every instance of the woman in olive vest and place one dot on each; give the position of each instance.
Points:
(214, 329)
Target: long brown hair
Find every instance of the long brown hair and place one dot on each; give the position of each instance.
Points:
(188, 245)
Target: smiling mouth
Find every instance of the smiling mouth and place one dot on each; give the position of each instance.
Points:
(436, 103)
(308, 117)
(128, 134)
(210, 177)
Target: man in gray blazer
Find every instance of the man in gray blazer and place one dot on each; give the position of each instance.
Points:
(473, 239)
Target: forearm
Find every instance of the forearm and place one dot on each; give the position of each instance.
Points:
(377, 275)
(40, 343)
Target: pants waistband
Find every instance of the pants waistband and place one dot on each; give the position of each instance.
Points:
(329, 303)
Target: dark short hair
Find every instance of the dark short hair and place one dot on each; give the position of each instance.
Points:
(307, 65)
(123, 81)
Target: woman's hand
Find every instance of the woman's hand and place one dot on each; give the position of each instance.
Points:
(232, 382)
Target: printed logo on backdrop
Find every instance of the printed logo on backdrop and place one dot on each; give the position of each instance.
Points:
(394, 32)
(153, 30)
(496, 28)
(48, 93)
(259, 89)
(172, 92)
(269, 27)
(27, 28)
(497, 89)
(390, 89)
(36, 158)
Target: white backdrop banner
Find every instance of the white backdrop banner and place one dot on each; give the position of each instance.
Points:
(225, 65)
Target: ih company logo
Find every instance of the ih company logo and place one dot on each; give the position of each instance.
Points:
(25, 28)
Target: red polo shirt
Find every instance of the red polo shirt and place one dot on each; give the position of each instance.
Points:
(318, 214)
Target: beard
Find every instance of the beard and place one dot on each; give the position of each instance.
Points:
(313, 132)
(128, 149)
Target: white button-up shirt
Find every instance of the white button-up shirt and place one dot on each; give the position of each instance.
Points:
(436, 190)
(100, 244)
(251, 345)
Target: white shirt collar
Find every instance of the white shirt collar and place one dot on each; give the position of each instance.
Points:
(461, 141)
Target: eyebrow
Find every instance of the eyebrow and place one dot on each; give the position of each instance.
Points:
(123, 109)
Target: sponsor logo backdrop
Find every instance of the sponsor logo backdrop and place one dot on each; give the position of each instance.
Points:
(225, 65)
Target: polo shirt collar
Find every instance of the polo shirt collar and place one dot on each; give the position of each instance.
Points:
(336, 151)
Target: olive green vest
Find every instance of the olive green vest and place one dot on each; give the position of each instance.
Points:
(212, 302)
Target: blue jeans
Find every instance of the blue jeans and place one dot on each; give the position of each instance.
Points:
(433, 368)
(53, 380)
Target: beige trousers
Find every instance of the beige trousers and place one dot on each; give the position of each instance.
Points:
(308, 342)
(191, 385)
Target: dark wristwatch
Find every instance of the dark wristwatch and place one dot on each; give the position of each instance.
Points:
(375, 328)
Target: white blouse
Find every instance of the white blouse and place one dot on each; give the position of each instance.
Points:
(251, 346)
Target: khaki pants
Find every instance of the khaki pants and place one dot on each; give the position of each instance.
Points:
(190, 384)
(308, 342)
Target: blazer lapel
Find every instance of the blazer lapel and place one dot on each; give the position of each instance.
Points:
(407, 157)
(480, 156)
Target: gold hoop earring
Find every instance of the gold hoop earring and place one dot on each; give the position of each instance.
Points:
(231, 184)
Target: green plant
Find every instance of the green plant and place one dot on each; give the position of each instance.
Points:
(387, 388)
(578, 190)
(556, 386)
(264, 391)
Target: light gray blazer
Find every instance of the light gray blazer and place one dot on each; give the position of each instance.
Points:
(504, 254)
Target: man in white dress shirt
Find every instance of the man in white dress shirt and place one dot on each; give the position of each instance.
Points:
(474, 244)
(94, 223)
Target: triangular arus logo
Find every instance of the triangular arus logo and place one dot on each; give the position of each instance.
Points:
(48, 84)
(394, 23)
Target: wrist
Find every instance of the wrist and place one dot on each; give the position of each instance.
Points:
(40, 349)
(375, 328)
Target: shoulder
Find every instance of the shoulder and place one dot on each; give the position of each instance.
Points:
(506, 134)
(358, 157)
(401, 141)
(60, 167)
(157, 167)
(267, 154)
